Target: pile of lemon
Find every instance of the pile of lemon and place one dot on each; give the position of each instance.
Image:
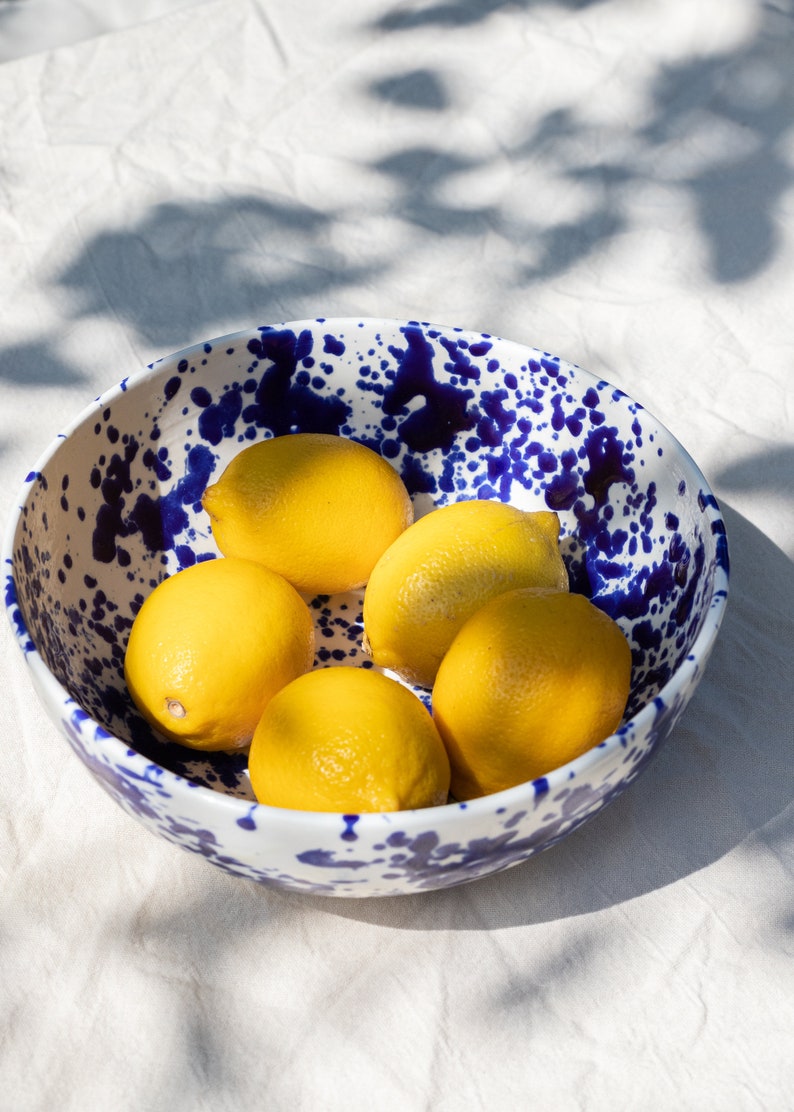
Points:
(471, 601)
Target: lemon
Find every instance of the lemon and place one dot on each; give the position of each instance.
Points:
(349, 740)
(443, 568)
(318, 509)
(211, 645)
(532, 680)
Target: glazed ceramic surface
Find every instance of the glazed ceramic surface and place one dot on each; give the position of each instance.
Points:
(114, 506)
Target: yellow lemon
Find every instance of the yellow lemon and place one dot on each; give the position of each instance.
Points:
(318, 509)
(210, 647)
(443, 568)
(532, 680)
(349, 740)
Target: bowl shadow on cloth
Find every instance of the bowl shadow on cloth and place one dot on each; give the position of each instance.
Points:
(725, 772)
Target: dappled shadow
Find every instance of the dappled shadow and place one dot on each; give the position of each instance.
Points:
(191, 269)
(247, 258)
(464, 13)
(717, 132)
(737, 107)
(768, 472)
(37, 363)
(420, 174)
(420, 89)
(8, 11)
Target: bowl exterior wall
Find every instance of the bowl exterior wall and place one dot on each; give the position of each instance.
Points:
(353, 855)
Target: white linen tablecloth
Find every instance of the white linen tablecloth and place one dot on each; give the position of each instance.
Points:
(612, 181)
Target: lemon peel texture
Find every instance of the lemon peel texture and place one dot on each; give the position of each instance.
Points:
(348, 739)
(211, 645)
(442, 568)
(534, 679)
(319, 509)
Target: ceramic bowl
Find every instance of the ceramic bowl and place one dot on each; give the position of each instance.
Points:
(114, 506)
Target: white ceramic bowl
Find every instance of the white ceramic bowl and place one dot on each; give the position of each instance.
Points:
(113, 507)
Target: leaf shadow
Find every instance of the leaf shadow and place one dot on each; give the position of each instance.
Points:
(190, 266)
(420, 89)
(465, 13)
(38, 364)
(717, 133)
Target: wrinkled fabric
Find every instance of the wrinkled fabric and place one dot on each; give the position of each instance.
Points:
(610, 181)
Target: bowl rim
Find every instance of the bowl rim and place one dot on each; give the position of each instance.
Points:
(505, 800)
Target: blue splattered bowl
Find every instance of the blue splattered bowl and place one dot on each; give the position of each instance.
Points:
(113, 507)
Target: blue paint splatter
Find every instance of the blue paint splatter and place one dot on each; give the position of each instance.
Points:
(445, 411)
(247, 821)
(280, 402)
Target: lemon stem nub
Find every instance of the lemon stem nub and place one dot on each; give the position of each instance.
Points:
(175, 708)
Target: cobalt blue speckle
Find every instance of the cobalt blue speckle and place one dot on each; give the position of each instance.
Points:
(116, 506)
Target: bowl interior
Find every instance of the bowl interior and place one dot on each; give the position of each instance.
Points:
(115, 504)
